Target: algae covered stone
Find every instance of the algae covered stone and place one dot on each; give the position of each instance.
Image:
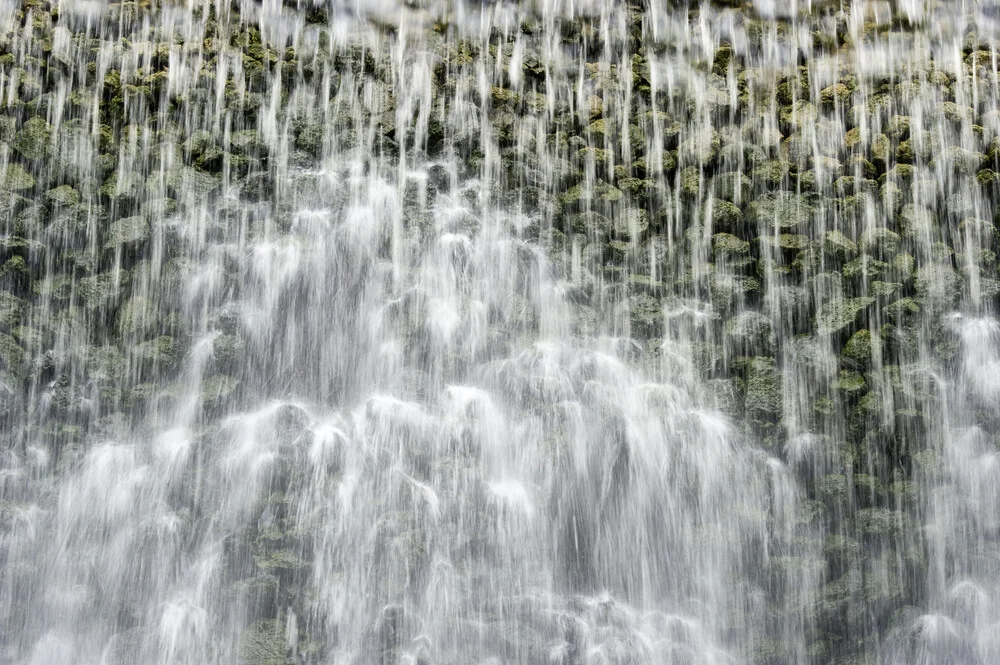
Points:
(15, 178)
(839, 314)
(34, 141)
(785, 209)
(763, 386)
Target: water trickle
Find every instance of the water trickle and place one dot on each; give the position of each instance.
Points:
(474, 332)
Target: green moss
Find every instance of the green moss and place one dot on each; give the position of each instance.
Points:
(838, 92)
(263, 643)
(839, 314)
(763, 386)
(878, 521)
(960, 160)
(34, 141)
(215, 389)
(859, 347)
(64, 195)
(11, 308)
(726, 215)
(16, 179)
(631, 223)
(785, 209)
(880, 241)
(786, 241)
(850, 382)
(726, 244)
(126, 231)
(839, 245)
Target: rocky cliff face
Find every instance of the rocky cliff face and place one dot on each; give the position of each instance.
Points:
(403, 331)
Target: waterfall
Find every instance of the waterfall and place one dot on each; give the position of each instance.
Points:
(469, 332)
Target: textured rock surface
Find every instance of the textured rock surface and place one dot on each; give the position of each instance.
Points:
(789, 214)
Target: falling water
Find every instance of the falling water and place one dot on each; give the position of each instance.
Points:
(576, 332)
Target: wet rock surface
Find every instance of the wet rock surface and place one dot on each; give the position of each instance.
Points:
(320, 314)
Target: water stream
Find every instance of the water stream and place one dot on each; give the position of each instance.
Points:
(574, 332)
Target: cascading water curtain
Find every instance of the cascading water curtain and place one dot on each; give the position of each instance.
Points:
(468, 332)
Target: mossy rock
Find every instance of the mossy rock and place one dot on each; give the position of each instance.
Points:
(798, 114)
(608, 192)
(732, 186)
(899, 173)
(699, 149)
(690, 182)
(850, 382)
(11, 308)
(123, 184)
(163, 350)
(137, 315)
(917, 221)
(763, 391)
(64, 195)
(12, 356)
(753, 330)
(590, 222)
(866, 266)
(631, 223)
(902, 309)
(105, 363)
(126, 231)
(852, 138)
(937, 283)
(34, 141)
(892, 197)
(216, 389)
(772, 172)
(728, 245)
(987, 177)
(881, 149)
(881, 289)
(960, 160)
(954, 113)
(599, 129)
(898, 127)
(189, 181)
(16, 179)
(8, 127)
(836, 93)
(726, 215)
(785, 209)
(790, 241)
(839, 245)
(880, 241)
(860, 346)
(878, 521)
(263, 643)
(837, 315)
(646, 315)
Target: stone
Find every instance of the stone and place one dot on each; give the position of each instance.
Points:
(786, 241)
(126, 231)
(784, 209)
(859, 347)
(631, 223)
(960, 160)
(880, 241)
(34, 141)
(16, 179)
(699, 149)
(836, 93)
(837, 315)
(763, 391)
(839, 245)
(64, 195)
(726, 216)
(728, 245)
